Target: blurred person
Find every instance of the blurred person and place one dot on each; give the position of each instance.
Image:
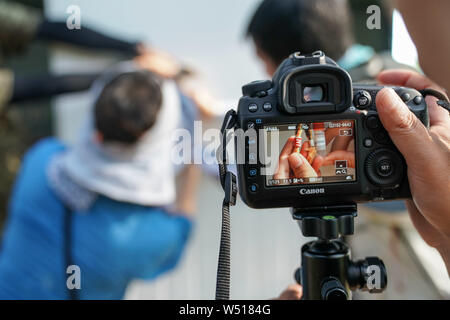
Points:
(20, 25)
(108, 204)
(281, 27)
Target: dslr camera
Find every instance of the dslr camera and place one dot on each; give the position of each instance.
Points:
(313, 138)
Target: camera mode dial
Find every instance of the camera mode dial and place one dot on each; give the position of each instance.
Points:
(254, 88)
(362, 99)
(384, 168)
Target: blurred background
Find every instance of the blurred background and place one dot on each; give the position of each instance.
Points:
(209, 36)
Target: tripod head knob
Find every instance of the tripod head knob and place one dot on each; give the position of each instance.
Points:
(368, 275)
(332, 289)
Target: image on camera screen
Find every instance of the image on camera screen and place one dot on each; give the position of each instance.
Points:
(312, 153)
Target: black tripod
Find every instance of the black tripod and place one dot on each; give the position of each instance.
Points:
(327, 271)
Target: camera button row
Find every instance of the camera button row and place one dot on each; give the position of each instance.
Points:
(253, 107)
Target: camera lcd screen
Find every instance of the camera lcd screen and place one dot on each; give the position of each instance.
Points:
(310, 153)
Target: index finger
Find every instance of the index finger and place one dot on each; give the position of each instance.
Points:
(288, 147)
(407, 78)
(412, 79)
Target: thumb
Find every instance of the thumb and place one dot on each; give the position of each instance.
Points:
(301, 166)
(405, 129)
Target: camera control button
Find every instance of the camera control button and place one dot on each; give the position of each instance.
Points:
(373, 122)
(368, 143)
(267, 106)
(385, 167)
(253, 172)
(253, 187)
(252, 107)
(405, 96)
(362, 99)
(418, 100)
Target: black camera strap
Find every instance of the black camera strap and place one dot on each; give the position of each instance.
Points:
(442, 99)
(228, 182)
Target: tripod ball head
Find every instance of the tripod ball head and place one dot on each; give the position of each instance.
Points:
(328, 273)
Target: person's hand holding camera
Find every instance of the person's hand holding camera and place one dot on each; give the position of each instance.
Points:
(427, 154)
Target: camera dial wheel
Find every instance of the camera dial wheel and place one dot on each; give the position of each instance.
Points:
(362, 99)
(257, 88)
(384, 168)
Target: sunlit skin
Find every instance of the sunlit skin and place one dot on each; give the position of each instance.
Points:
(428, 165)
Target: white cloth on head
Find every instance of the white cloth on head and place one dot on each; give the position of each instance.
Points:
(142, 173)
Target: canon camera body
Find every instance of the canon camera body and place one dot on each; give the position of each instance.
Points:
(311, 138)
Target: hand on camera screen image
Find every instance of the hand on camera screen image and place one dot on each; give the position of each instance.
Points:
(316, 152)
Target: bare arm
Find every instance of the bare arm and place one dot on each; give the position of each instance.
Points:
(187, 184)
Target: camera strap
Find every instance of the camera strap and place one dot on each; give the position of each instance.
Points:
(228, 182)
(442, 99)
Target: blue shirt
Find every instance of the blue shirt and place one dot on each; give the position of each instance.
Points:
(113, 243)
